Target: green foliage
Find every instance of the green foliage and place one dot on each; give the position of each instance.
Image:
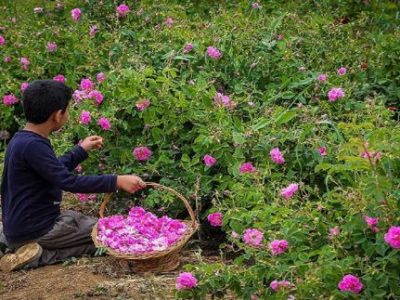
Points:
(279, 103)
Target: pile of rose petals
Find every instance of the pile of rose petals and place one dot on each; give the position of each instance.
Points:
(140, 232)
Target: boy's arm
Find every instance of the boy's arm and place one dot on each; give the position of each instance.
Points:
(41, 157)
(73, 158)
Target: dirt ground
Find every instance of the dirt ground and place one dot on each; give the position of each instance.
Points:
(91, 278)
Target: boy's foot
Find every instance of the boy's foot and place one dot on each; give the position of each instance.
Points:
(23, 256)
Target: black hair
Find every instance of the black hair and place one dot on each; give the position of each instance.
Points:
(43, 97)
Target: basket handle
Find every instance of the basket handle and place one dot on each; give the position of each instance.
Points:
(159, 186)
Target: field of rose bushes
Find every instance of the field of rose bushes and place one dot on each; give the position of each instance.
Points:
(277, 119)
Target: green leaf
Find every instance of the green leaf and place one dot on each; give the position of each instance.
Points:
(238, 138)
(276, 23)
(285, 117)
(322, 167)
(236, 225)
(261, 124)
(183, 57)
(185, 158)
(157, 133)
(301, 83)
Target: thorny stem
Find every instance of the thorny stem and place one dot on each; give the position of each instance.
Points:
(198, 204)
(368, 155)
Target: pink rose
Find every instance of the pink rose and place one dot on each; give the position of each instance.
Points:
(277, 156)
(93, 30)
(25, 63)
(85, 117)
(87, 84)
(334, 231)
(59, 78)
(76, 14)
(169, 21)
(188, 48)
(209, 161)
(215, 219)
(10, 100)
(142, 104)
(279, 285)
(372, 223)
(82, 197)
(278, 246)
(222, 100)
(392, 237)
(214, 53)
(122, 10)
(86, 197)
(247, 168)
(322, 77)
(274, 285)
(342, 71)
(186, 281)
(51, 47)
(322, 151)
(142, 153)
(288, 191)
(350, 283)
(2, 40)
(335, 94)
(253, 237)
(79, 95)
(24, 85)
(100, 77)
(97, 96)
(104, 123)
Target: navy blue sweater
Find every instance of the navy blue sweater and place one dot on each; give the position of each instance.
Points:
(32, 184)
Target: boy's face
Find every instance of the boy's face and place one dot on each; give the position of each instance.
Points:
(61, 118)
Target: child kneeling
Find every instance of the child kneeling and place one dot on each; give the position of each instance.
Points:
(34, 178)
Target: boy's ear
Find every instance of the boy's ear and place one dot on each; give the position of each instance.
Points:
(58, 115)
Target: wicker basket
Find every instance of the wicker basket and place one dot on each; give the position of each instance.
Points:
(157, 261)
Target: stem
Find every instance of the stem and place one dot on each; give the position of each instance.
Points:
(368, 155)
(198, 205)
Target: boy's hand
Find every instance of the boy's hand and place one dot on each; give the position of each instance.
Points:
(130, 183)
(92, 142)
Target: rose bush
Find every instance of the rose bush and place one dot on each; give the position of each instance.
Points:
(277, 118)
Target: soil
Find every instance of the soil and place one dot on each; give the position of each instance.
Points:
(92, 278)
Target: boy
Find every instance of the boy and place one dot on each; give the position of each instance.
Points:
(33, 180)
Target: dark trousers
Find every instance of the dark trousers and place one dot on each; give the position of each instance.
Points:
(70, 236)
